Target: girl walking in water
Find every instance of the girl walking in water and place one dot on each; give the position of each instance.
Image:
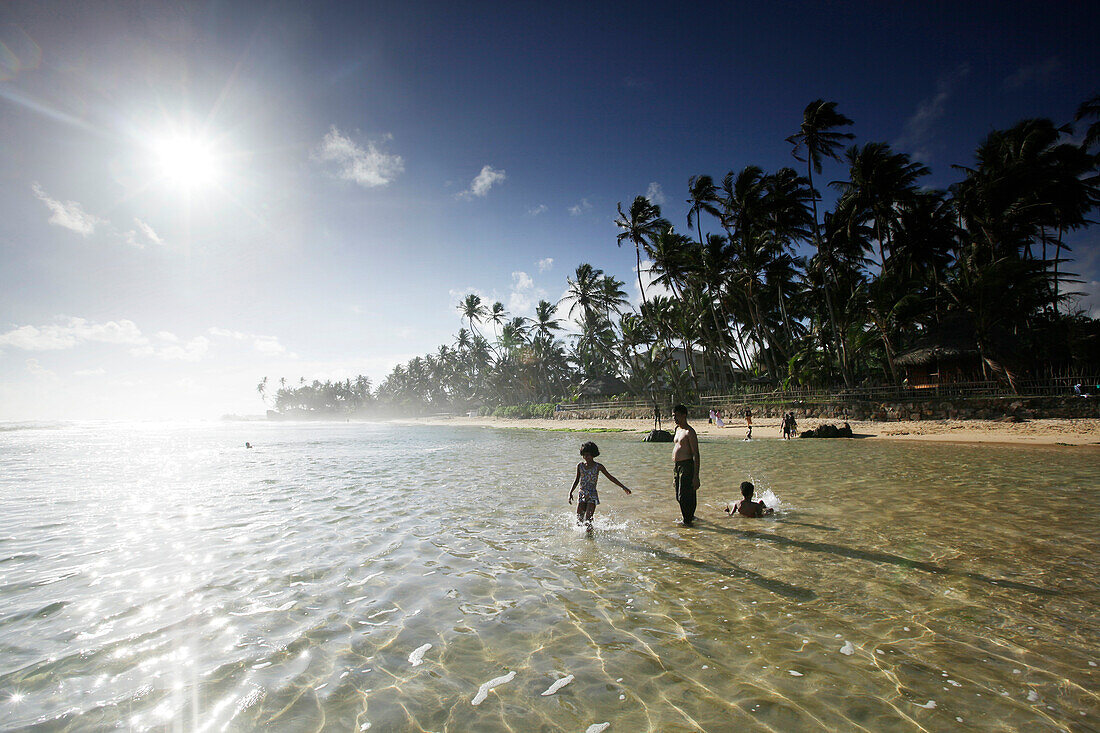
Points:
(588, 471)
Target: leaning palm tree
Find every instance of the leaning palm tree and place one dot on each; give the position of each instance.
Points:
(816, 140)
(638, 227)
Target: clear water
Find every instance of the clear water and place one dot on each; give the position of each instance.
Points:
(164, 577)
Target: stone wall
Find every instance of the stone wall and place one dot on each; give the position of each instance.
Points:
(970, 408)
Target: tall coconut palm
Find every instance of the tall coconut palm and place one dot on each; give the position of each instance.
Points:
(702, 198)
(638, 226)
(880, 183)
(816, 140)
(584, 290)
(473, 310)
(545, 324)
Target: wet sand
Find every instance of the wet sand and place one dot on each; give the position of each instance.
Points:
(1029, 432)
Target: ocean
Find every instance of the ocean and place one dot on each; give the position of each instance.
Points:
(386, 577)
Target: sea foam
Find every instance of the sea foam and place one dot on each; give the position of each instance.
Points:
(558, 685)
(483, 691)
(417, 657)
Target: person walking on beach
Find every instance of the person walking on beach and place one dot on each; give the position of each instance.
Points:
(685, 457)
(748, 421)
(588, 471)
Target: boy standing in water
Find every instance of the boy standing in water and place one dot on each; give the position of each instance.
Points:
(588, 471)
(685, 456)
(747, 507)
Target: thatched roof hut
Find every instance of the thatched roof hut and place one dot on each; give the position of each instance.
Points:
(949, 353)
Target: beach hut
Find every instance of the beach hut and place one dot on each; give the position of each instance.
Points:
(942, 357)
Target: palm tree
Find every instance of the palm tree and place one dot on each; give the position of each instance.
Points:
(881, 182)
(702, 197)
(584, 290)
(473, 310)
(638, 227)
(1090, 109)
(815, 141)
(545, 324)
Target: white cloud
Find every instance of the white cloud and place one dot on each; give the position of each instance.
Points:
(522, 281)
(1038, 72)
(39, 371)
(190, 350)
(483, 181)
(144, 234)
(1088, 299)
(580, 208)
(97, 372)
(268, 345)
(919, 132)
(69, 333)
(546, 263)
(68, 214)
(536, 210)
(655, 194)
(369, 168)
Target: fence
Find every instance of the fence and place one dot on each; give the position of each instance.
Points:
(881, 393)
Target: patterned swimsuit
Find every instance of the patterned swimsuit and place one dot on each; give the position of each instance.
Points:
(588, 484)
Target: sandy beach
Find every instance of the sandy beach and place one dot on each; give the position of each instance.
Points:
(1071, 432)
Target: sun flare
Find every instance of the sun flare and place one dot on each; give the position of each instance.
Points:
(186, 161)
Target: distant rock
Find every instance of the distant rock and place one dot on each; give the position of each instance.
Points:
(658, 436)
(828, 431)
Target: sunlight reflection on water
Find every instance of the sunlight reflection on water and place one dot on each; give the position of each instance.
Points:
(160, 575)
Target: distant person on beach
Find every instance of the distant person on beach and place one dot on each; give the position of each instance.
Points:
(247, 445)
(748, 421)
(656, 417)
(747, 507)
(685, 456)
(588, 471)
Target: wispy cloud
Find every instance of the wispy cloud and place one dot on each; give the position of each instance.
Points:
(369, 167)
(545, 264)
(919, 131)
(580, 208)
(483, 181)
(68, 214)
(536, 210)
(142, 235)
(655, 194)
(1036, 73)
(70, 332)
(176, 349)
(264, 344)
(97, 372)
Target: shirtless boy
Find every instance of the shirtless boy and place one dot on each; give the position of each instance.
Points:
(685, 454)
(747, 507)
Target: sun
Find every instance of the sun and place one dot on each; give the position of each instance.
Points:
(186, 161)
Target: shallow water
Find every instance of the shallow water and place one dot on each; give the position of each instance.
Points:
(165, 577)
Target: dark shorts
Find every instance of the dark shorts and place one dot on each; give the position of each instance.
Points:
(683, 477)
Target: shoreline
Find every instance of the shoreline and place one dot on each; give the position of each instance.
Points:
(1044, 432)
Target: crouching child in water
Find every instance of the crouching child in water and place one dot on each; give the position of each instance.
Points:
(747, 507)
(588, 471)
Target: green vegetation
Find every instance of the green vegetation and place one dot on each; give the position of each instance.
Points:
(769, 287)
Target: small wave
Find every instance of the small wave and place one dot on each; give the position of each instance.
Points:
(597, 728)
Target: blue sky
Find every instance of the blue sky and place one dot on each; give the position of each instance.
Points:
(199, 195)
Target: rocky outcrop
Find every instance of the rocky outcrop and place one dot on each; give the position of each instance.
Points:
(828, 431)
(658, 436)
